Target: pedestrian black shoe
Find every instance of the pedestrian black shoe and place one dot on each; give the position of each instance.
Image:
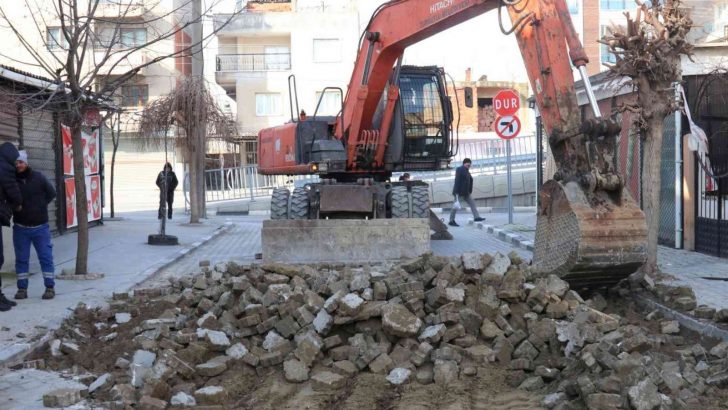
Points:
(21, 294)
(479, 219)
(49, 293)
(6, 301)
(4, 307)
(453, 223)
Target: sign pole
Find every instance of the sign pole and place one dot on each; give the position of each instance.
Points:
(510, 186)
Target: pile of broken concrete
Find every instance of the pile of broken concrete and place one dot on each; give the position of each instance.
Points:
(430, 320)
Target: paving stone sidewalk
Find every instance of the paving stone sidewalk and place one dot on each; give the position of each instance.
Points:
(117, 249)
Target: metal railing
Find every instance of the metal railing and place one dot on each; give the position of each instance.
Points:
(253, 62)
(488, 157)
(246, 183)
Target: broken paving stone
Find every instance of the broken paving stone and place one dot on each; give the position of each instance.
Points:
(350, 304)
(323, 322)
(217, 340)
(183, 399)
(445, 372)
(211, 395)
(306, 351)
(55, 347)
(721, 316)
(344, 368)
(237, 351)
(151, 403)
(122, 318)
(144, 358)
(644, 396)
(62, 397)
(399, 376)
(554, 399)
(100, 383)
(604, 401)
(273, 341)
(69, 348)
(670, 327)
(397, 320)
(295, 371)
(382, 364)
(498, 265)
(686, 303)
(326, 380)
(432, 334)
(532, 384)
(556, 285)
(705, 312)
(213, 367)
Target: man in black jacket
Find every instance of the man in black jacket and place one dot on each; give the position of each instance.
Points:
(462, 191)
(167, 183)
(30, 226)
(10, 199)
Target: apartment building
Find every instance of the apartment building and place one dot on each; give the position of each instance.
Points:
(277, 58)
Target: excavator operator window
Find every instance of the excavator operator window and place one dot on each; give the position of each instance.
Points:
(423, 112)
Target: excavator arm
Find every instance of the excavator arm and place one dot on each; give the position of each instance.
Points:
(589, 230)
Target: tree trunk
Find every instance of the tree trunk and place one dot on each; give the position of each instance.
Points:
(81, 201)
(113, 163)
(194, 200)
(651, 188)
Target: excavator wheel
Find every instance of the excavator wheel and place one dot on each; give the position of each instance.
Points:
(420, 202)
(588, 242)
(299, 204)
(279, 203)
(400, 202)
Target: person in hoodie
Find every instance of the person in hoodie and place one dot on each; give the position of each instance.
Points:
(30, 227)
(167, 183)
(10, 199)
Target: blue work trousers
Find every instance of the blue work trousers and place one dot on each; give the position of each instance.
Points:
(40, 238)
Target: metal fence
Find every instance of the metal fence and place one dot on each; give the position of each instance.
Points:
(488, 156)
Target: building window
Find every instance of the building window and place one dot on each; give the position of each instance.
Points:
(109, 37)
(613, 4)
(330, 103)
(606, 56)
(326, 50)
(135, 95)
(268, 104)
(55, 40)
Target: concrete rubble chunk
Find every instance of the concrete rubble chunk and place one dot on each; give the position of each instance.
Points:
(350, 304)
(237, 351)
(473, 262)
(213, 367)
(644, 396)
(556, 285)
(210, 395)
(326, 380)
(273, 340)
(397, 320)
(511, 288)
(554, 399)
(670, 327)
(323, 322)
(382, 364)
(217, 340)
(144, 358)
(432, 334)
(122, 318)
(399, 376)
(499, 265)
(720, 350)
(55, 347)
(445, 372)
(183, 399)
(69, 348)
(151, 403)
(62, 397)
(604, 401)
(101, 382)
(532, 384)
(295, 371)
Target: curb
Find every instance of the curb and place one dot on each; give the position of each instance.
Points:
(15, 353)
(702, 328)
(508, 237)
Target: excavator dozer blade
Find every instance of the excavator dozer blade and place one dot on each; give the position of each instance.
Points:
(588, 242)
(440, 229)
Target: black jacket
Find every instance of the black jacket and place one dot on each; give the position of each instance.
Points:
(463, 182)
(171, 183)
(9, 189)
(37, 193)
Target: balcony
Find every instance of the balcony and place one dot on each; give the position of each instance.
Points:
(268, 5)
(120, 9)
(253, 62)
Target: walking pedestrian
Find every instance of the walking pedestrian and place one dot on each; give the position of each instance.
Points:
(462, 190)
(10, 199)
(167, 183)
(30, 227)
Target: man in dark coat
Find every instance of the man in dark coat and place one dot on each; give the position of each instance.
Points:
(462, 191)
(167, 183)
(30, 227)
(10, 199)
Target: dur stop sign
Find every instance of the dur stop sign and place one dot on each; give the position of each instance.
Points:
(506, 102)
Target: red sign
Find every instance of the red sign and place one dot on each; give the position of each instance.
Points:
(506, 102)
(507, 127)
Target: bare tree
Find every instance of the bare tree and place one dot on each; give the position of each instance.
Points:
(94, 48)
(194, 112)
(648, 51)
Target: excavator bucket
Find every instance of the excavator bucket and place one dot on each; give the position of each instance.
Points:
(588, 243)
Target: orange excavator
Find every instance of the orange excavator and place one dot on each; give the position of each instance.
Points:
(396, 118)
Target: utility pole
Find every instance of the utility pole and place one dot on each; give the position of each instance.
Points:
(198, 64)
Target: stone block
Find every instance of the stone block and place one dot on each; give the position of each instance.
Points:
(62, 397)
(295, 371)
(398, 321)
(211, 395)
(445, 372)
(326, 380)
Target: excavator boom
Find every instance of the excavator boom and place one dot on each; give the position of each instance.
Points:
(589, 230)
